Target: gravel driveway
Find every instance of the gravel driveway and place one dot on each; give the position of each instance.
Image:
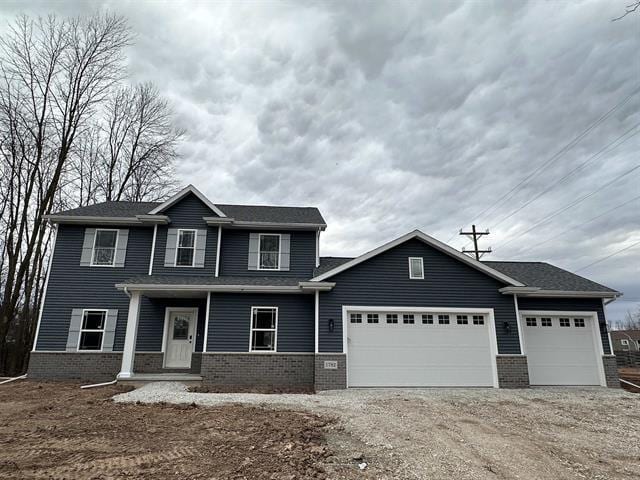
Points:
(464, 433)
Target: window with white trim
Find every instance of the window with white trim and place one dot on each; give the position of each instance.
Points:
(92, 330)
(427, 319)
(565, 322)
(186, 248)
(625, 344)
(545, 322)
(416, 268)
(478, 319)
(578, 322)
(392, 318)
(269, 248)
(443, 319)
(462, 320)
(531, 322)
(355, 318)
(408, 318)
(372, 318)
(264, 326)
(104, 248)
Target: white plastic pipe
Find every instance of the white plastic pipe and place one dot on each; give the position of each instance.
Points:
(95, 385)
(629, 383)
(14, 379)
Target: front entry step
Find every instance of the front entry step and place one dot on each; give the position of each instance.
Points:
(141, 378)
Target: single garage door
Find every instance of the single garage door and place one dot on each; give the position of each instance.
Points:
(404, 348)
(561, 349)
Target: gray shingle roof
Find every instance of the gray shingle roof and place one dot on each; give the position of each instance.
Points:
(328, 263)
(211, 280)
(547, 276)
(112, 209)
(244, 213)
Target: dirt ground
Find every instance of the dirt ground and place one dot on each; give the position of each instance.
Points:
(60, 431)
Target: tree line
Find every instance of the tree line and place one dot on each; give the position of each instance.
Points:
(73, 131)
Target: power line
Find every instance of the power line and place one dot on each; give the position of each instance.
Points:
(608, 256)
(579, 225)
(579, 167)
(557, 155)
(572, 204)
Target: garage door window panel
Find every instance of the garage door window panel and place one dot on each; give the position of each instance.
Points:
(355, 318)
(531, 322)
(427, 319)
(545, 322)
(408, 319)
(443, 319)
(373, 318)
(462, 320)
(578, 322)
(392, 318)
(478, 319)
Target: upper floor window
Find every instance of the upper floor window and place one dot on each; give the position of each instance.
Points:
(104, 248)
(269, 258)
(625, 344)
(186, 247)
(416, 268)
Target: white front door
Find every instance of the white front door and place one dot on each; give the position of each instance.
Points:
(180, 338)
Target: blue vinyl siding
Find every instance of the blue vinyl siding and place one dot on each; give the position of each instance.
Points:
(230, 317)
(234, 254)
(384, 281)
(187, 213)
(72, 286)
(152, 317)
(571, 304)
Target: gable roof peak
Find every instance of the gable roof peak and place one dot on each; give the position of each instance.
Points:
(183, 193)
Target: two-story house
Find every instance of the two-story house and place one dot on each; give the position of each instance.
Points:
(239, 296)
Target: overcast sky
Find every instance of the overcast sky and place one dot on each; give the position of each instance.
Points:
(395, 116)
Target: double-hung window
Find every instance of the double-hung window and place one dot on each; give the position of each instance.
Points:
(269, 257)
(104, 248)
(416, 268)
(264, 327)
(92, 330)
(186, 248)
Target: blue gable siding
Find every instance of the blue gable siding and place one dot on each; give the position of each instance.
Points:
(234, 254)
(384, 281)
(187, 213)
(72, 286)
(230, 318)
(571, 304)
(152, 317)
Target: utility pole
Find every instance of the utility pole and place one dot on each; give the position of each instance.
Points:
(475, 235)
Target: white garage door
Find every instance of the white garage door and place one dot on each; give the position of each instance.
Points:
(561, 349)
(404, 348)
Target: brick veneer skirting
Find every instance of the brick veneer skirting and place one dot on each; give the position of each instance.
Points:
(86, 366)
(611, 371)
(148, 362)
(513, 371)
(329, 378)
(275, 370)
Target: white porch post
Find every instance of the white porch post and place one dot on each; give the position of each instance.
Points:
(128, 354)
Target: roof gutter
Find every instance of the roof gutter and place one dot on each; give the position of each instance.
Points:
(231, 222)
(94, 220)
(540, 292)
(133, 287)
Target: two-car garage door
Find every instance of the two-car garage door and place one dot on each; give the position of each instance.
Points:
(405, 347)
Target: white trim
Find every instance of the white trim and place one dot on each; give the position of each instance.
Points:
(317, 248)
(438, 245)
(274, 330)
(115, 247)
(102, 330)
(131, 333)
(209, 288)
(493, 341)
(539, 292)
(153, 248)
(182, 193)
(279, 235)
(411, 275)
(44, 291)
(94, 220)
(218, 246)
(195, 243)
(317, 321)
(165, 332)
(206, 324)
(595, 331)
(604, 313)
(515, 302)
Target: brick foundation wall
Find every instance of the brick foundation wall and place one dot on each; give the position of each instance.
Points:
(611, 371)
(329, 378)
(513, 371)
(150, 362)
(258, 369)
(85, 367)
